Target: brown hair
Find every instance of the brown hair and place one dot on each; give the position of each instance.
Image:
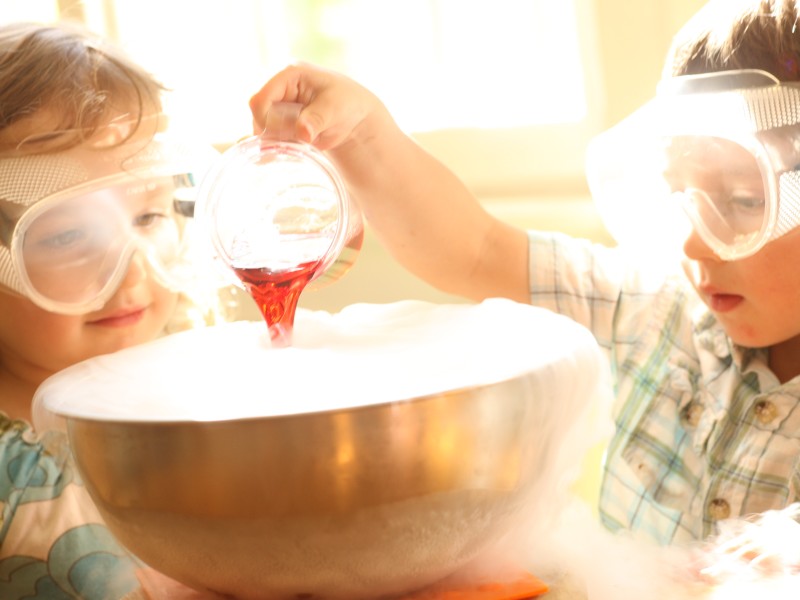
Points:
(739, 34)
(70, 76)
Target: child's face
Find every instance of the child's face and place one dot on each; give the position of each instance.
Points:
(41, 343)
(35, 342)
(754, 298)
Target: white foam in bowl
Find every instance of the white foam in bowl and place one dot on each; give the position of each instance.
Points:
(365, 354)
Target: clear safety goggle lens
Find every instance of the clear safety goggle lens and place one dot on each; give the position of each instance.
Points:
(723, 189)
(731, 160)
(75, 251)
(725, 224)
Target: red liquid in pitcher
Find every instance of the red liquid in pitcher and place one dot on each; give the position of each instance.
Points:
(277, 293)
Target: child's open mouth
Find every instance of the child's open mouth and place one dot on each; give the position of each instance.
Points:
(724, 302)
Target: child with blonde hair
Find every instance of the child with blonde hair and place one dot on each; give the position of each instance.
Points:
(95, 219)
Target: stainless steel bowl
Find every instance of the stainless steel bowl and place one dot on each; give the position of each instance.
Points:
(347, 504)
(363, 502)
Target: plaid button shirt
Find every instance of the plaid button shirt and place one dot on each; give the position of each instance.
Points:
(703, 429)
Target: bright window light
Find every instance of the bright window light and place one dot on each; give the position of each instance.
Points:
(29, 10)
(437, 64)
(498, 90)
(450, 63)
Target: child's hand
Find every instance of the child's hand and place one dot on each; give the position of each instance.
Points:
(419, 210)
(335, 109)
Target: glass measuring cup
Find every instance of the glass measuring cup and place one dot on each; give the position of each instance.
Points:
(280, 218)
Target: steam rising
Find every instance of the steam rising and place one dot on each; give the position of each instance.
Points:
(365, 354)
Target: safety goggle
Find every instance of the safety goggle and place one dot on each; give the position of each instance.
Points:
(68, 250)
(724, 148)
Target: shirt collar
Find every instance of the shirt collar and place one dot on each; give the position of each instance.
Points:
(713, 344)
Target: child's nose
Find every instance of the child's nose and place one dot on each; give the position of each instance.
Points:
(137, 271)
(696, 249)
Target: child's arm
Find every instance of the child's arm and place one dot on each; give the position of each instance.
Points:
(417, 207)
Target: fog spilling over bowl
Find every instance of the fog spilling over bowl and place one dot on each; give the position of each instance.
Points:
(390, 446)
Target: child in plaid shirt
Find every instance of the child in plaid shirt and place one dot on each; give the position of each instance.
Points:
(705, 356)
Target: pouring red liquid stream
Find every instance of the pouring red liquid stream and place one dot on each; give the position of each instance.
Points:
(277, 293)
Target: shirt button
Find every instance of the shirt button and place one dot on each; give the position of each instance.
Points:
(692, 414)
(765, 411)
(719, 509)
